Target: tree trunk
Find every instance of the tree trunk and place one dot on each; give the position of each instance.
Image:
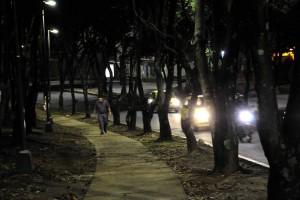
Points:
(179, 76)
(267, 103)
(62, 78)
(131, 114)
(4, 98)
(186, 124)
(147, 115)
(162, 109)
(86, 100)
(123, 73)
(33, 68)
(70, 66)
(5, 69)
(84, 81)
(193, 75)
(267, 125)
(165, 128)
(142, 99)
(74, 101)
(289, 181)
(30, 114)
(225, 143)
(100, 72)
(115, 109)
(114, 102)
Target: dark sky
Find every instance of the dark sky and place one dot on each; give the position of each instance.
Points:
(68, 12)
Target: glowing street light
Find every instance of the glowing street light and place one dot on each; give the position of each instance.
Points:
(55, 31)
(50, 2)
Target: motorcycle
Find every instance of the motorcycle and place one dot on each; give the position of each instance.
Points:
(245, 121)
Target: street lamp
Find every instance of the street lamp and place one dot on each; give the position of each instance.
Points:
(50, 2)
(55, 31)
(48, 126)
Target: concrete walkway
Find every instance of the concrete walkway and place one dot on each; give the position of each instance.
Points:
(125, 168)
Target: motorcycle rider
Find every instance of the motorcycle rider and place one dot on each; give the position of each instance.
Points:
(244, 119)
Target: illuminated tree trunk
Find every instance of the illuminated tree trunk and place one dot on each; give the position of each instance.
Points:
(186, 124)
(225, 143)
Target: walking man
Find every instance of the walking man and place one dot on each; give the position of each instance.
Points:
(102, 109)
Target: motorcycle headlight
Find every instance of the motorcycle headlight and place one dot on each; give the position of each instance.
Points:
(175, 102)
(150, 101)
(186, 103)
(201, 114)
(246, 116)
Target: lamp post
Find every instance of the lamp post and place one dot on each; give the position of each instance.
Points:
(48, 126)
(55, 31)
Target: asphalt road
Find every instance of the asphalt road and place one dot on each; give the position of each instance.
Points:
(250, 151)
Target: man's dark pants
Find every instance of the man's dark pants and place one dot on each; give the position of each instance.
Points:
(102, 120)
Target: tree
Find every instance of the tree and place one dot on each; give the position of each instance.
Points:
(132, 93)
(219, 90)
(289, 178)
(186, 124)
(20, 27)
(158, 19)
(185, 54)
(72, 49)
(4, 67)
(281, 144)
(164, 39)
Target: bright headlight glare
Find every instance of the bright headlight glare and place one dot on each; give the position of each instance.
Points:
(186, 102)
(175, 101)
(246, 116)
(150, 101)
(199, 102)
(201, 114)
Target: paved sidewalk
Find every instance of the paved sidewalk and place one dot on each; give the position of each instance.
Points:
(125, 168)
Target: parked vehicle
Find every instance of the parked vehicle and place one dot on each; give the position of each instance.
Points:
(201, 118)
(175, 103)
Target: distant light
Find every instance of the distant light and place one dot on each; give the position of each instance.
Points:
(50, 2)
(222, 53)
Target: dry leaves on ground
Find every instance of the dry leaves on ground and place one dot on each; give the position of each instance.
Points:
(64, 162)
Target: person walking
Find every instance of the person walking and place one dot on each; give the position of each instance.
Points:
(102, 109)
